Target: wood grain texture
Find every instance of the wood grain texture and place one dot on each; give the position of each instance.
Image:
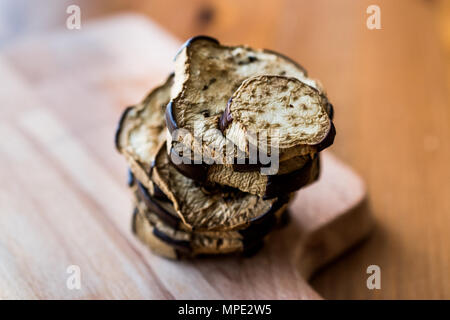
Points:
(65, 201)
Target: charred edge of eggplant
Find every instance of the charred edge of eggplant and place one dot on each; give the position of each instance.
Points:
(318, 170)
(260, 226)
(170, 119)
(289, 182)
(181, 245)
(192, 40)
(226, 118)
(282, 200)
(247, 167)
(119, 127)
(130, 178)
(298, 65)
(159, 194)
(133, 220)
(328, 140)
(330, 110)
(197, 172)
(259, 229)
(252, 248)
(157, 209)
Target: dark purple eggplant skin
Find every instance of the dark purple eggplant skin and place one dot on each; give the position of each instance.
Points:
(277, 184)
(250, 167)
(330, 111)
(157, 209)
(130, 180)
(257, 229)
(252, 248)
(226, 118)
(119, 127)
(170, 118)
(277, 205)
(286, 183)
(190, 41)
(181, 245)
(158, 194)
(262, 225)
(247, 167)
(197, 172)
(133, 220)
(328, 140)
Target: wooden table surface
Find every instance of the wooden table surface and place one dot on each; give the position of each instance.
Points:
(390, 88)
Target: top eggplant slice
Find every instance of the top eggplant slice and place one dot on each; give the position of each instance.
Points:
(289, 111)
(207, 74)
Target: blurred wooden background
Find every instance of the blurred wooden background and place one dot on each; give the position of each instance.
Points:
(390, 88)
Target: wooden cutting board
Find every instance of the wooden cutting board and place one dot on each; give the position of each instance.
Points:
(64, 199)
